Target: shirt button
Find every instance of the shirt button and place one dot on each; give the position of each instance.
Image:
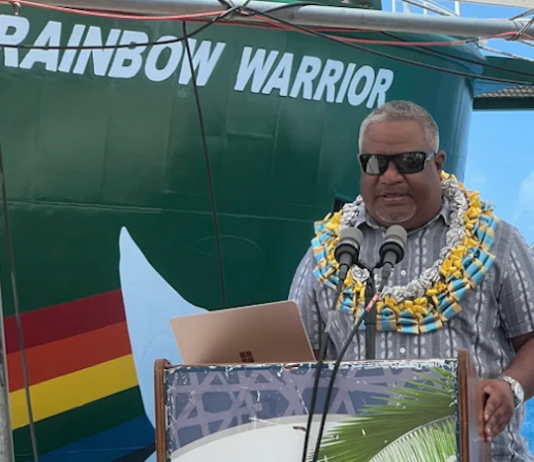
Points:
(402, 350)
(403, 272)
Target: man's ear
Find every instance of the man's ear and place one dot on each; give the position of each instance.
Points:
(439, 159)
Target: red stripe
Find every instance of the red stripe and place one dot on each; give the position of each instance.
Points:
(72, 354)
(66, 320)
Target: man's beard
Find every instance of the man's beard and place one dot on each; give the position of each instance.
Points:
(394, 217)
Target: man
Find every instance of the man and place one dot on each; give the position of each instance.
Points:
(491, 315)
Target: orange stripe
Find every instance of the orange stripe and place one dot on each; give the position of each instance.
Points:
(54, 359)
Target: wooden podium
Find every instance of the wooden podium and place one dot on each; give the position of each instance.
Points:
(412, 410)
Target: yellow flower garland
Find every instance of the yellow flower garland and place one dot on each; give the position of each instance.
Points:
(461, 271)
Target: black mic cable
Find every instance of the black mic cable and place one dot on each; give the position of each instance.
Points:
(336, 367)
(391, 252)
(346, 253)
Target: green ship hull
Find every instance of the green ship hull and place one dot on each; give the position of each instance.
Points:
(105, 145)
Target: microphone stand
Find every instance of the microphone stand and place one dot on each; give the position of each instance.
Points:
(370, 317)
(371, 299)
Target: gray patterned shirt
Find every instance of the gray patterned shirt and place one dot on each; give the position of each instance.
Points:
(502, 307)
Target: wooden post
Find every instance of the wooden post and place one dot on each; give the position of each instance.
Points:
(159, 394)
(473, 448)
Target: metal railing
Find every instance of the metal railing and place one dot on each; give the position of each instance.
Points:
(423, 6)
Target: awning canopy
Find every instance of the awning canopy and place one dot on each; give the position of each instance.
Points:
(501, 96)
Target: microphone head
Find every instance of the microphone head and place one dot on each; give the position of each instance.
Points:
(349, 243)
(394, 241)
(352, 234)
(397, 234)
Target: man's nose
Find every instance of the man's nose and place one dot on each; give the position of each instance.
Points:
(391, 175)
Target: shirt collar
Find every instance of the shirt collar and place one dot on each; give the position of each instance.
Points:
(363, 217)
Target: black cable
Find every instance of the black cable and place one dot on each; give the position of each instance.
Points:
(318, 370)
(209, 174)
(370, 318)
(520, 15)
(331, 387)
(16, 304)
(420, 49)
(368, 308)
(465, 60)
(521, 32)
(386, 55)
(227, 4)
(127, 45)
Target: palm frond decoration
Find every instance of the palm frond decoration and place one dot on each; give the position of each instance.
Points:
(434, 442)
(407, 408)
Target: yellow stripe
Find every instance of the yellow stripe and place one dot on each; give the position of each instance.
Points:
(73, 390)
(480, 264)
(487, 229)
(455, 306)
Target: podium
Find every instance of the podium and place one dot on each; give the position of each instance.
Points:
(386, 410)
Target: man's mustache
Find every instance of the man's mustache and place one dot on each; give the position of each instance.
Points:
(389, 192)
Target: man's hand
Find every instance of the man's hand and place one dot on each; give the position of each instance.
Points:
(499, 406)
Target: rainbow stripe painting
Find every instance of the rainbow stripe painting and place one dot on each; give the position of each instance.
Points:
(90, 366)
(80, 367)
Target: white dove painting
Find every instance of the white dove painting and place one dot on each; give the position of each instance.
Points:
(149, 302)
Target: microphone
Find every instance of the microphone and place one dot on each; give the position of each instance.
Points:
(348, 250)
(392, 250)
(346, 253)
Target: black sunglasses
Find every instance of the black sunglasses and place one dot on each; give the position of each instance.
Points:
(406, 162)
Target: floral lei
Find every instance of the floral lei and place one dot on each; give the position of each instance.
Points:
(434, 297)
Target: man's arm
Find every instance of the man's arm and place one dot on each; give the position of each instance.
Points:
(516, 298)
(499, 407)
(522, 368)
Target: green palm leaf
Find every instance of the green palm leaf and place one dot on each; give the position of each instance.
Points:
(434, 442)
(360, 438)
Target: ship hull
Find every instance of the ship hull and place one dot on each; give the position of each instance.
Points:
(101, 144)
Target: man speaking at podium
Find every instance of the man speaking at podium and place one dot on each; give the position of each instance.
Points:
(466, 280)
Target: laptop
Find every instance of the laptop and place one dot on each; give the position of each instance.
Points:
(266, 333)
